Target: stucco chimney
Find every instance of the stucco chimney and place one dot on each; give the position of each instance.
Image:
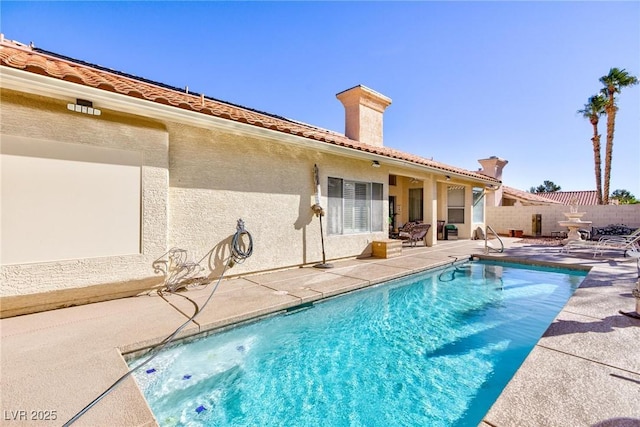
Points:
(493, 167)
(363, 114)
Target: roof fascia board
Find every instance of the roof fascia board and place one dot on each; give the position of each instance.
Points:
(36, 84)
(405, 168)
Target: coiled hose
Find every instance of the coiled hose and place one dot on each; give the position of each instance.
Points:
(239, 253)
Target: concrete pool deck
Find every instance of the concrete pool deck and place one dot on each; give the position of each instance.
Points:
(585, 370)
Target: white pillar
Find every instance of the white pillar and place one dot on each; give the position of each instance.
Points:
(430, 210)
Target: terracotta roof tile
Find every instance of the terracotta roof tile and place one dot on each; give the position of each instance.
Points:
(584, 198)
(19, 56)
(527, 196)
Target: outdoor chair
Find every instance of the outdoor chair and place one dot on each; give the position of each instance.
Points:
(613, 237)
(412, 232)
(624, 243)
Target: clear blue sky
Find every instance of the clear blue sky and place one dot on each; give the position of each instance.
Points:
(468, 80)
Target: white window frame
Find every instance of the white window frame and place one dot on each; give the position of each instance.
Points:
(478, 205)
(354, 207)
(455, 205)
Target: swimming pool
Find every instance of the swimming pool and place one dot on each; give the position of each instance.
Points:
(435, 348)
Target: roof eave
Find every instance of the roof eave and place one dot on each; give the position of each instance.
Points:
(37, 84)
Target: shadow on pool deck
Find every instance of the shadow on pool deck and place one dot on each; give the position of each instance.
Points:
(584, 371)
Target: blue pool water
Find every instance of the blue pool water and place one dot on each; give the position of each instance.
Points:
(433, 349)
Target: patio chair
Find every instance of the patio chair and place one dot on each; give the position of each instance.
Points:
(623, 243)
(413, 232)
(617, 238)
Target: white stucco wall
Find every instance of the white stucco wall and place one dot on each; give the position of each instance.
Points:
(505, 218)
(197, 180)
(45, 119)
(217, 177)
(196, 184)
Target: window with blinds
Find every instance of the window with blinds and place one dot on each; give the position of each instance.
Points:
(455, 205)
(354, 207)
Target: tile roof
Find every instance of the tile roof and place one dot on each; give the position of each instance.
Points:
(584, 198)
(526, 196)
(19, 56)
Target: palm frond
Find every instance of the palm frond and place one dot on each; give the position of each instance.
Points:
(618, 79)
(595, 107)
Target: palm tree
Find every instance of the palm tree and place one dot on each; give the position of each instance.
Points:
(593, 110)
(613, 83)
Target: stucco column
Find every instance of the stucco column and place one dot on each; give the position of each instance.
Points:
(467, 229)
(430, 210)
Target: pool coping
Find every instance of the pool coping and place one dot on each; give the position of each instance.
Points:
(48, 352)
(138, 349)
(582, 371)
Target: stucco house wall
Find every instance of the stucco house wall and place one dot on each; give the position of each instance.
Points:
(38, 118)
(191, 167)
(217, 177)
(195, 184)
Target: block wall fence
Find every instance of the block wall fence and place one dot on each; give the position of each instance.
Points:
(505, 218)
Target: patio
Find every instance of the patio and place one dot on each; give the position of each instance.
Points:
(584, 371)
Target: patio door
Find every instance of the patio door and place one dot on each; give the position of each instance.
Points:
(415, 204)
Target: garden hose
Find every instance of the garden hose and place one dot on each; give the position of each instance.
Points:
(239, 253)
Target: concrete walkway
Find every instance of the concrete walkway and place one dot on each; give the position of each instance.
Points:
(585, 371)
